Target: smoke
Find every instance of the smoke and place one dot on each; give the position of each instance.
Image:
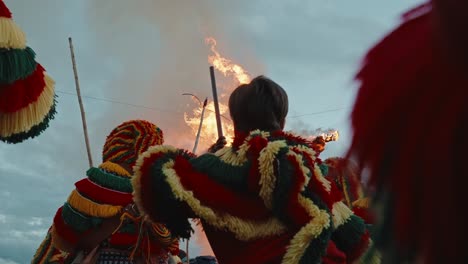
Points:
(158, 52)
(158, 49)
(299, 127)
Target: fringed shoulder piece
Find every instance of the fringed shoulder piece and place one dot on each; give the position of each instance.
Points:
(409, 122)
(283, 172)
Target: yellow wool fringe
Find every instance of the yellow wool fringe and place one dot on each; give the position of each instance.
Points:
(91, 208)
(318, 173)
(242, 229)
(31, 115)
(300, 241)
(341, 214)
(11, 35)
(227, 155)
(114, 168)
(304, 169)
(267, 173)
(362, 203)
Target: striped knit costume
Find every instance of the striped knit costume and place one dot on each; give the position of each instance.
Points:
(106, 192)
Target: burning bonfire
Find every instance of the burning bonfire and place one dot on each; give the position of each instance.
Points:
(236, 75)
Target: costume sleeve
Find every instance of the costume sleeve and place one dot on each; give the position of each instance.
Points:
(157, 189)
(304, 198)
(451, 24)
(97, 198)
(47, 253)
(172, 185)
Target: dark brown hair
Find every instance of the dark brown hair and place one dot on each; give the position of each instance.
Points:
(261, 104)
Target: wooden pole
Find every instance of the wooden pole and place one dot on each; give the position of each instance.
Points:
(200, 126)
(80, 102)
(187, 251)
(216, 104)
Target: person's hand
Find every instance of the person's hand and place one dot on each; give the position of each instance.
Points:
(220, 143)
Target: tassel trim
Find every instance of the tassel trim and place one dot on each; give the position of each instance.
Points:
(24, 119)
(88, 207)
(78, 221)
(115, 169)
(34, 131)
(23, 92)
(103, 195)
(109, 180)
(16, 64)
(11, 35)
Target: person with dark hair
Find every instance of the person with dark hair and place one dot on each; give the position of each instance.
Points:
(410, 124)
(99, 222)
(263, 199)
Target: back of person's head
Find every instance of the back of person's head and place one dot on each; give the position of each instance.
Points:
(261, 104)
(130, 139)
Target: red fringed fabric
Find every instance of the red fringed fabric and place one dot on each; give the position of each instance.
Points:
(360, 248)
(64, 231)
(256, 145)
(147, 200)
(4, 11)
(21, 93)
(365, 214)
(123, 239)
(216, 196)
(101, 194)
(410, 119)
(334, 255)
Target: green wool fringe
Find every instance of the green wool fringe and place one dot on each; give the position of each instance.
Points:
(348, 235)
(78, 221)
(16, 64)
(283, 186)
(109, 180)
(34, 131)
(324, 169)
(235, 177)
(167, 206)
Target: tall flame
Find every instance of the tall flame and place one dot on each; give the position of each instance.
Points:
(226, 66)
(327, 135)
(237, 75)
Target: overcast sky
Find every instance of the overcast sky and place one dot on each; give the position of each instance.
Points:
(148, 52)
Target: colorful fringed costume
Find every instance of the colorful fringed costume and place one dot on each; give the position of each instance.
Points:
(27, 97)
(346, 175)
(103, 201)
(410, 126)
(263, 200)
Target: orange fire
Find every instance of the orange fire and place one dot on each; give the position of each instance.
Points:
(328, 135)
(226, 66)
(236, 75)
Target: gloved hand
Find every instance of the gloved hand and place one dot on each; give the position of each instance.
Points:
(220, 143)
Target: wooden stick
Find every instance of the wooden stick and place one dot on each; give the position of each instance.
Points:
(216, 104)
(187, 251)
(200, 126)
(80, 101)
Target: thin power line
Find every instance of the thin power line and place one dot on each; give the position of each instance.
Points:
(322, 112)
(178, 112)
(122, 103)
